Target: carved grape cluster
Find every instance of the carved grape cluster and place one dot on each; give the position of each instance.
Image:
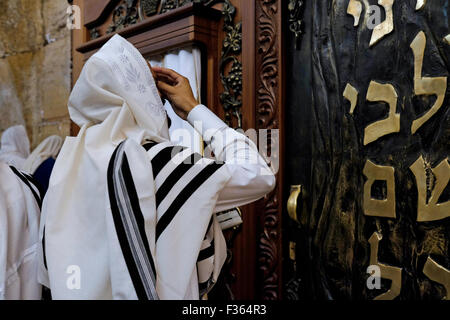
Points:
(234, 78)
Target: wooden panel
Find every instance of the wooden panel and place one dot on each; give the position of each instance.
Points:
(270, 116)
(245, 244)
(176, 34)
(97, 10)
(170, 22)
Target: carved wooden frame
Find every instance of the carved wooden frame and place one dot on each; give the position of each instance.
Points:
(269, 114)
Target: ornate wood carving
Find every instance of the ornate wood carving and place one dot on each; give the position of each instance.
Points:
(149, 7)
(124, 15)
(231, 81)
(172, 4)
(94, 33)
(268, 116)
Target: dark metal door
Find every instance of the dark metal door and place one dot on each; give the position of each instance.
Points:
(368, 139)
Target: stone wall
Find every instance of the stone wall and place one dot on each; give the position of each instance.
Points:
(35, 67)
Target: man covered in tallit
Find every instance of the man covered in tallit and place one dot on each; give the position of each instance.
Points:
(20, 201)
(15, 147)
(128, 215)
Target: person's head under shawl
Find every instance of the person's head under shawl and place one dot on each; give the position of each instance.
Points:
(15, 147)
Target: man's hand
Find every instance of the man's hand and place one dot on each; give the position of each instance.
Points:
(177, 90)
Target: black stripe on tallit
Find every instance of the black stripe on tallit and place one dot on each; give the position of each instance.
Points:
(43, 249)
(149, 145)
(184, 195)
(161, 159)
(28, 180)
(206, 253)
(133, 269)
(132, 193)
(176, 175)
(120, 230)
(36, 184)
(28, 183)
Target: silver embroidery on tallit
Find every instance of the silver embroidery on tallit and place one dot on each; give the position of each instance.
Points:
(131, 74)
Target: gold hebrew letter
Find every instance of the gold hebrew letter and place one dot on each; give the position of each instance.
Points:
(420, 4)
(447, 39)
(351, 94)
(425, 86)
(439, 274)
(355, 8)
(387, 272)
(387, 25)
(430, 210)
(386, 93)
(374, 207)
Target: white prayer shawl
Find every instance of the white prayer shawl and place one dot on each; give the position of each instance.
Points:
(15, 147)
(49, 148)
(19, 235)
(115, 99)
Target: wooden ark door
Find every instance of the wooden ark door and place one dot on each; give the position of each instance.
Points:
(368, 127)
